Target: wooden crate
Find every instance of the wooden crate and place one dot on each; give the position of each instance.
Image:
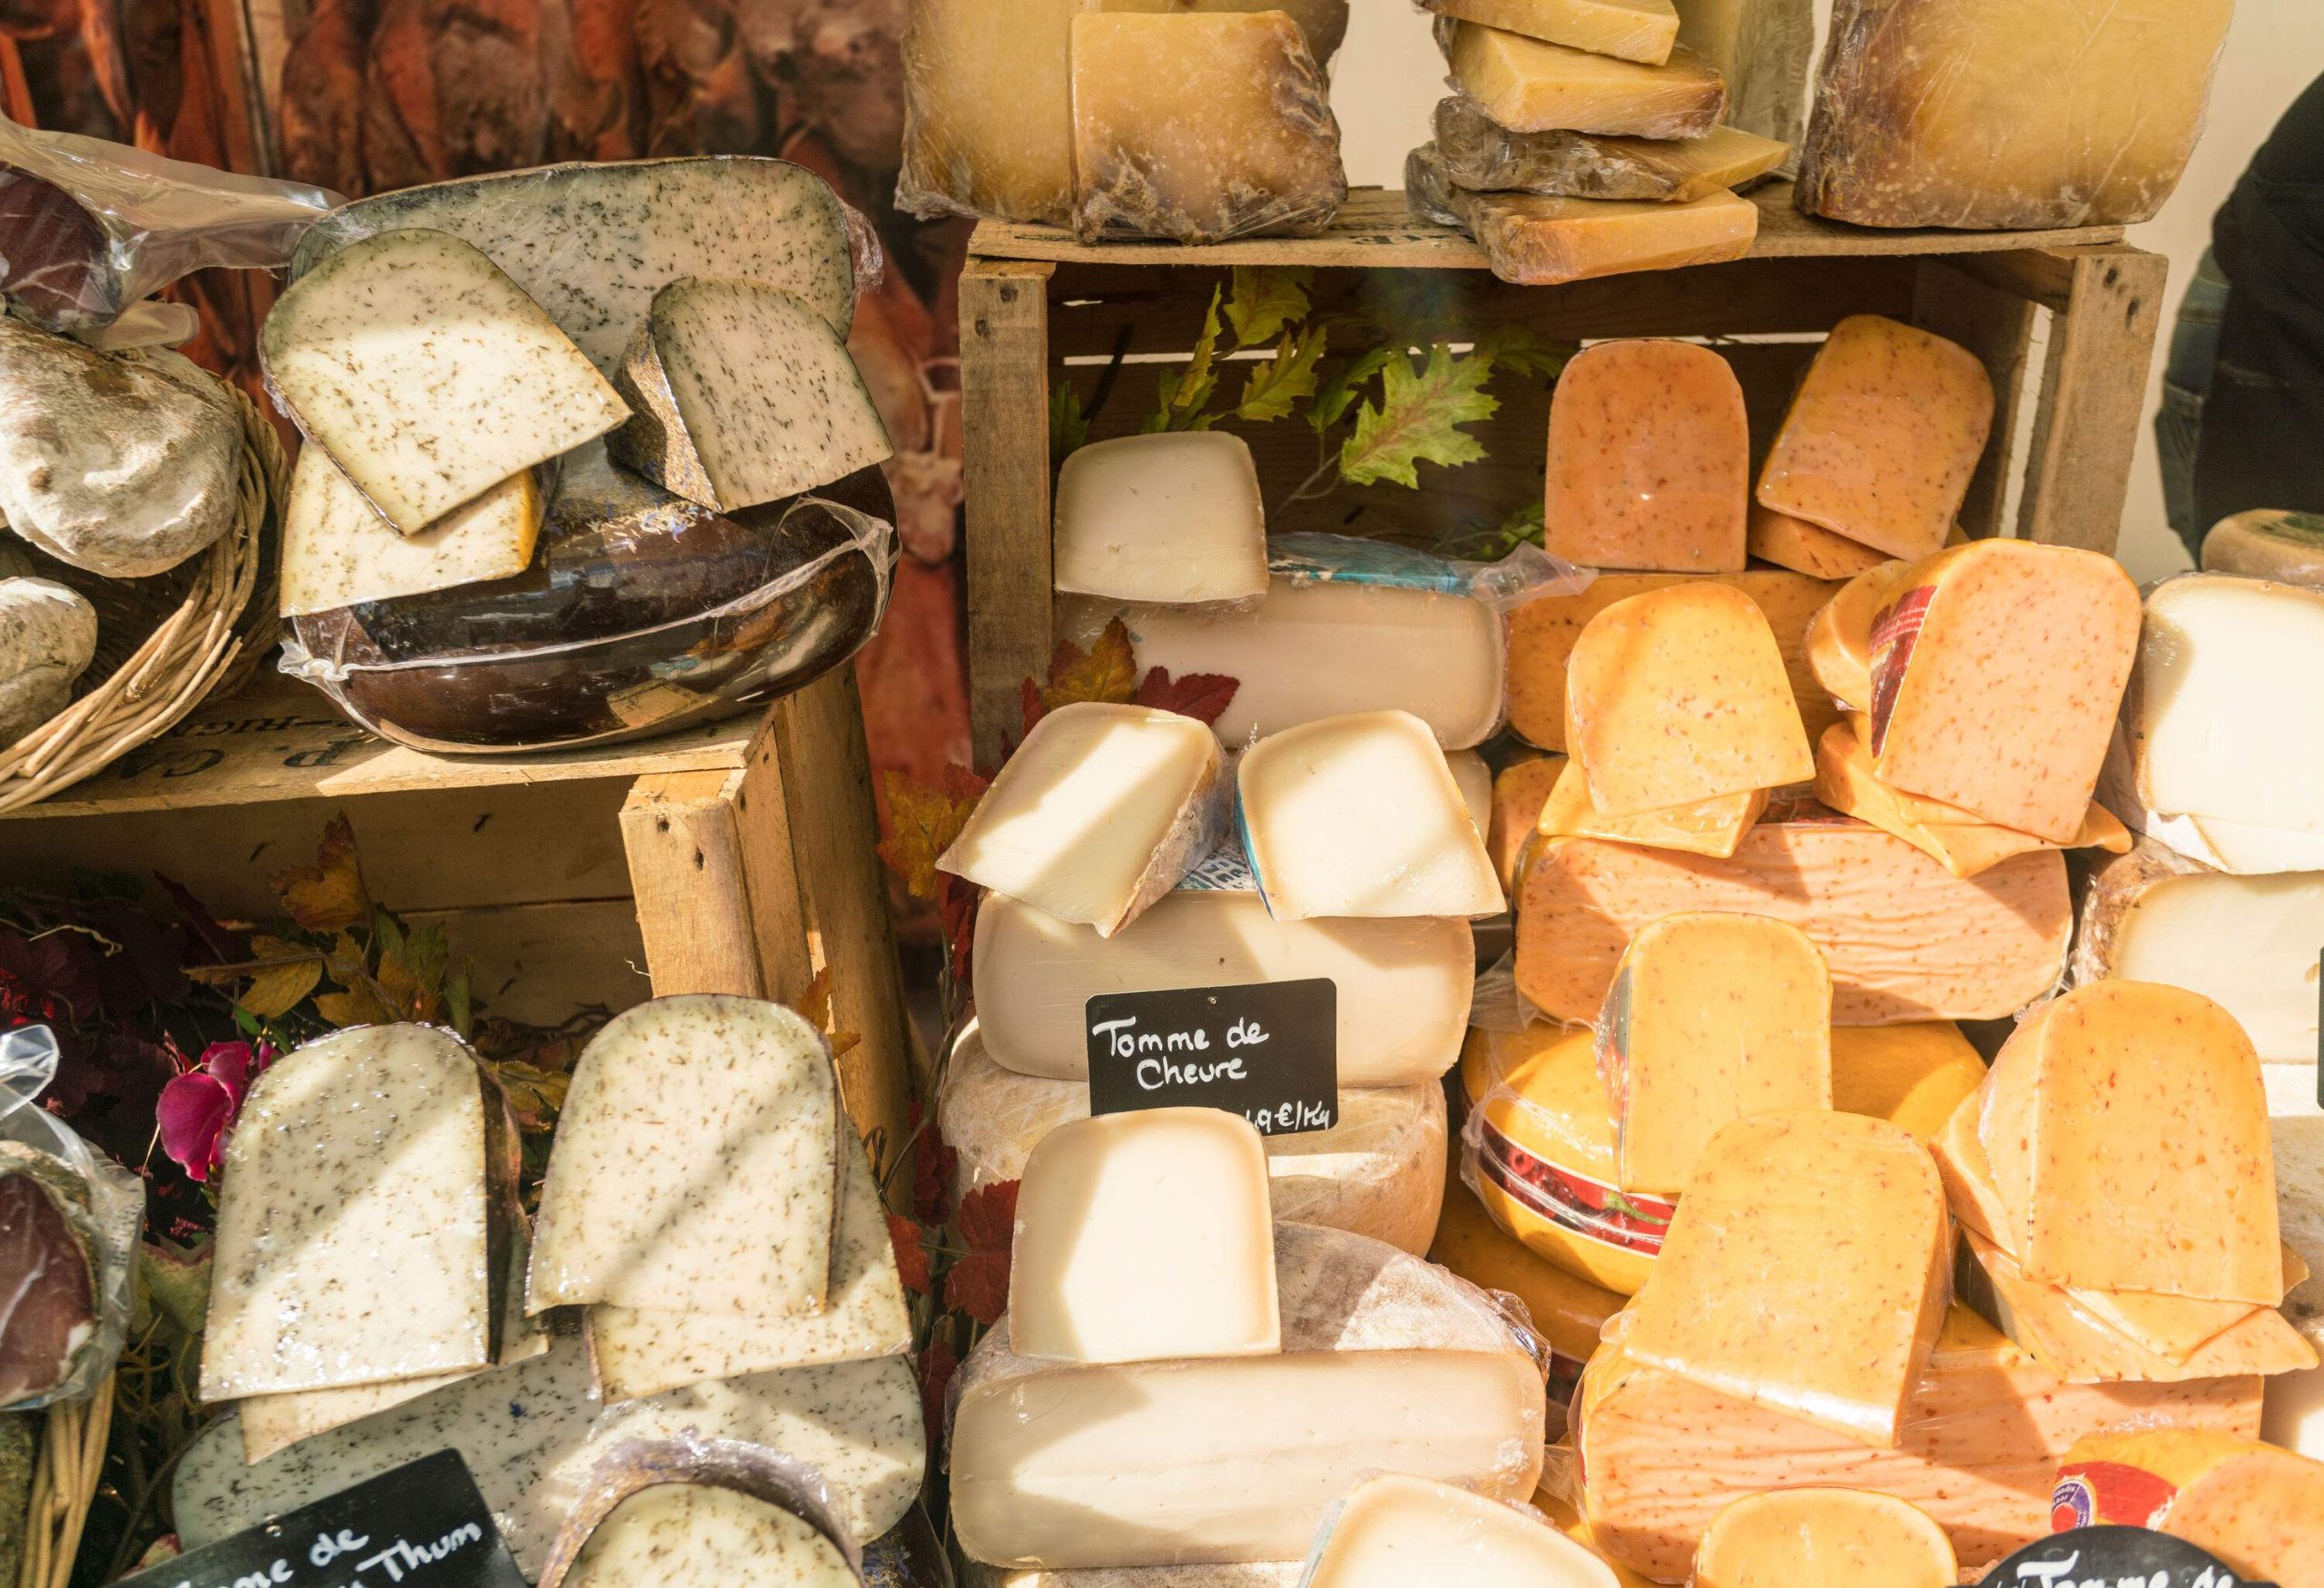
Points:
(1037, 308)
(736, 857)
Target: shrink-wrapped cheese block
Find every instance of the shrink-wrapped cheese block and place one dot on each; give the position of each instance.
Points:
(1840, 634)
(2006, 114)
(1388, 1364)
(1543, 632)
(1997, 668)
(989, 110)
(1711, 1018)
(1474, 780)
(1143, 1236)
(2268, 544)
(1807, 1269)
(1098, 813)
(1359, 816)
(1712, 827)
(2250, 944)
(1376, 1173)
(336, 551)
(1567, 1311)
(532, 1433)
(1882, 437)
(1864, 897)
(1958, 840)
(1628, 30)
(1805, 548)
(1532, 86)
(703, 1535)
(1396, 1532)
(1649, 460)
(2259, 1509)
(48, 637)
(1762, 48)
(744, 1091)
(1535, 240)
(1479, 154)
(1520, 791)
(1402, 985)
(1171, 517)
(1200, 128)
(1678, 696)
(1824, 1538)
(1979, 1442)
(418, 420)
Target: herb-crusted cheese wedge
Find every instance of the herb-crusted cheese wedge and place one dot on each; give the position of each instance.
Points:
(698, 1535)
(426, 374)
(336, 551)
(695, 1165)
(352, 1221)
(741, 393)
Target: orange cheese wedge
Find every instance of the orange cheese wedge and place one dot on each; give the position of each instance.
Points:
(1713, 826)
(1824, 1538)
(1650, 461)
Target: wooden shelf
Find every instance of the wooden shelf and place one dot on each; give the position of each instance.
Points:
(1373, 231)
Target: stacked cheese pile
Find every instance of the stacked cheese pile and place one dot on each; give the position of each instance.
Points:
(1586, 137)
(1196, 121)
(706, 1203)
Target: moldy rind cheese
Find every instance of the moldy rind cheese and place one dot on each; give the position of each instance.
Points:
(1649, 460)
(1960, 841)
(1882, 437)
(2260, 1510)
(1824, 1538)
(1904, 939)
(1478, 153)
(1712, 827)
(1711, 1018)
(1528, 85)
(2268, 544)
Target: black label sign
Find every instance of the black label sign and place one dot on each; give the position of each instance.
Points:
(423, 1525)
(1268, 1051)
(2113, 1557)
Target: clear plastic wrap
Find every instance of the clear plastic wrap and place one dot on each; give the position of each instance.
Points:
(1379, 1172)
(1429, 192)
(2007, 114)
(94, 226)
(2252, 1507)
(1762, 48)
(907, 1556)
(1477, 153)
(69, 1222)
(641, 613)
(2268, 544)
(1397, 1532)
(1709, 826)
(1650, 461)
(1532, 240)
(1234, 1574)
(1795, 1537)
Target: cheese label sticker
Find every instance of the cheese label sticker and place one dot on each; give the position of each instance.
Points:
(2113, 1557)
(422, 1525)
(1267, 1051)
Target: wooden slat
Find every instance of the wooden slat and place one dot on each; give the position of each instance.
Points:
(1373, 231)
(1004, 395)
(539, 963)
(1996, 325)
(2093, 399)
(686, 867)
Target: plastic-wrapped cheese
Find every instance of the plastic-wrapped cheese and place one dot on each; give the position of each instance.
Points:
(2259, 1509)
(1171, 517)
(1377, 1173)
(2007, 114)
(1824, 1538)
(1482, 155)
(702, 1534)
(1388, 1364)
(1520, 792)
(1628, 30)
(1805, 548)
(1762, 48)
(1569, 1312)
(1712, 827)
(2268, 544)
(1533, 240)
(1402, 985)
(1397, 1532)
(1530, 85)
(1649, 460)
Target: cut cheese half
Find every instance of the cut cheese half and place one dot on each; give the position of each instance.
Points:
(1649, 460)
(330, 1272)
(1712, 827)
(1710, 1018)
(2268, 544)
(1839, 638)
(1531, 85)
(1395, 1532)
(695, 1165)
(1520, 791)
(1805, 548)
(2255, 1507)
(1678, 696)
(426, 374)
(1882, 438)
(1536, 241)
(1145, 1236)
(1835, 1226)
(337, 552)
(1543, 632)
(705, 1536)
(1174, 518)
(1824, 1538)
(1098, 813)
(1628, 30)
(1359, 816)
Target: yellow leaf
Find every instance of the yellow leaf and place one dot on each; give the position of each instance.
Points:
(277, 990)
(329, 894)
(815, 1004)
(351, 1008)
(407, 989)
(1107, 671)
(922, 821)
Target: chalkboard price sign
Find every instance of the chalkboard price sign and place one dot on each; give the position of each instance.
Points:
(423, 1525)
(2113, 1557)
(1268, 1051)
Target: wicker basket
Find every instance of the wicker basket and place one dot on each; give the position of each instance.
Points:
(64, 1484)
(188, 618)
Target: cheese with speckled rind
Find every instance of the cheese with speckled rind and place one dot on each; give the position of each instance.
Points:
(1649, 460)
(2259, 1509)
(1824, 1538)
(1398, 1532)
(1531, 85)
(700, 1536)
(695, 1164)
(328, 1272)
(426, 374)
(1805, 548)
(1520, 791)
(1713, 826)
(336, 551)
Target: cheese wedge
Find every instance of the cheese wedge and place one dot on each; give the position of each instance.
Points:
(422, 420)
(2259, 1509)
(1824, 1538)
(1173, 517)
(1530, 85)
(1474, 780)
(1762, 48)
(1678, 696)
(1359, 816)
(2175, 1326)
(1396, 1532)
(1143, 1236)
(1838, 644)
(1549, 1501)
(1098, 813)
(1712, 827)
(1863, 897)
(1958, 840)
(1710, 1018)
(1806, 547)
(336, 551)
(1535, 240)
(1568, 1311)
(1543, 632)
(1628, 30)
(1649, 460)
(2268, 544)
(1882, 438)
(329, 1273)
(1480, 154)
(703, 1535)
(695, 1165)
(1520, 791)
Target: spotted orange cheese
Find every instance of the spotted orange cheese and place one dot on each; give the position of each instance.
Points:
(1650, 461)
